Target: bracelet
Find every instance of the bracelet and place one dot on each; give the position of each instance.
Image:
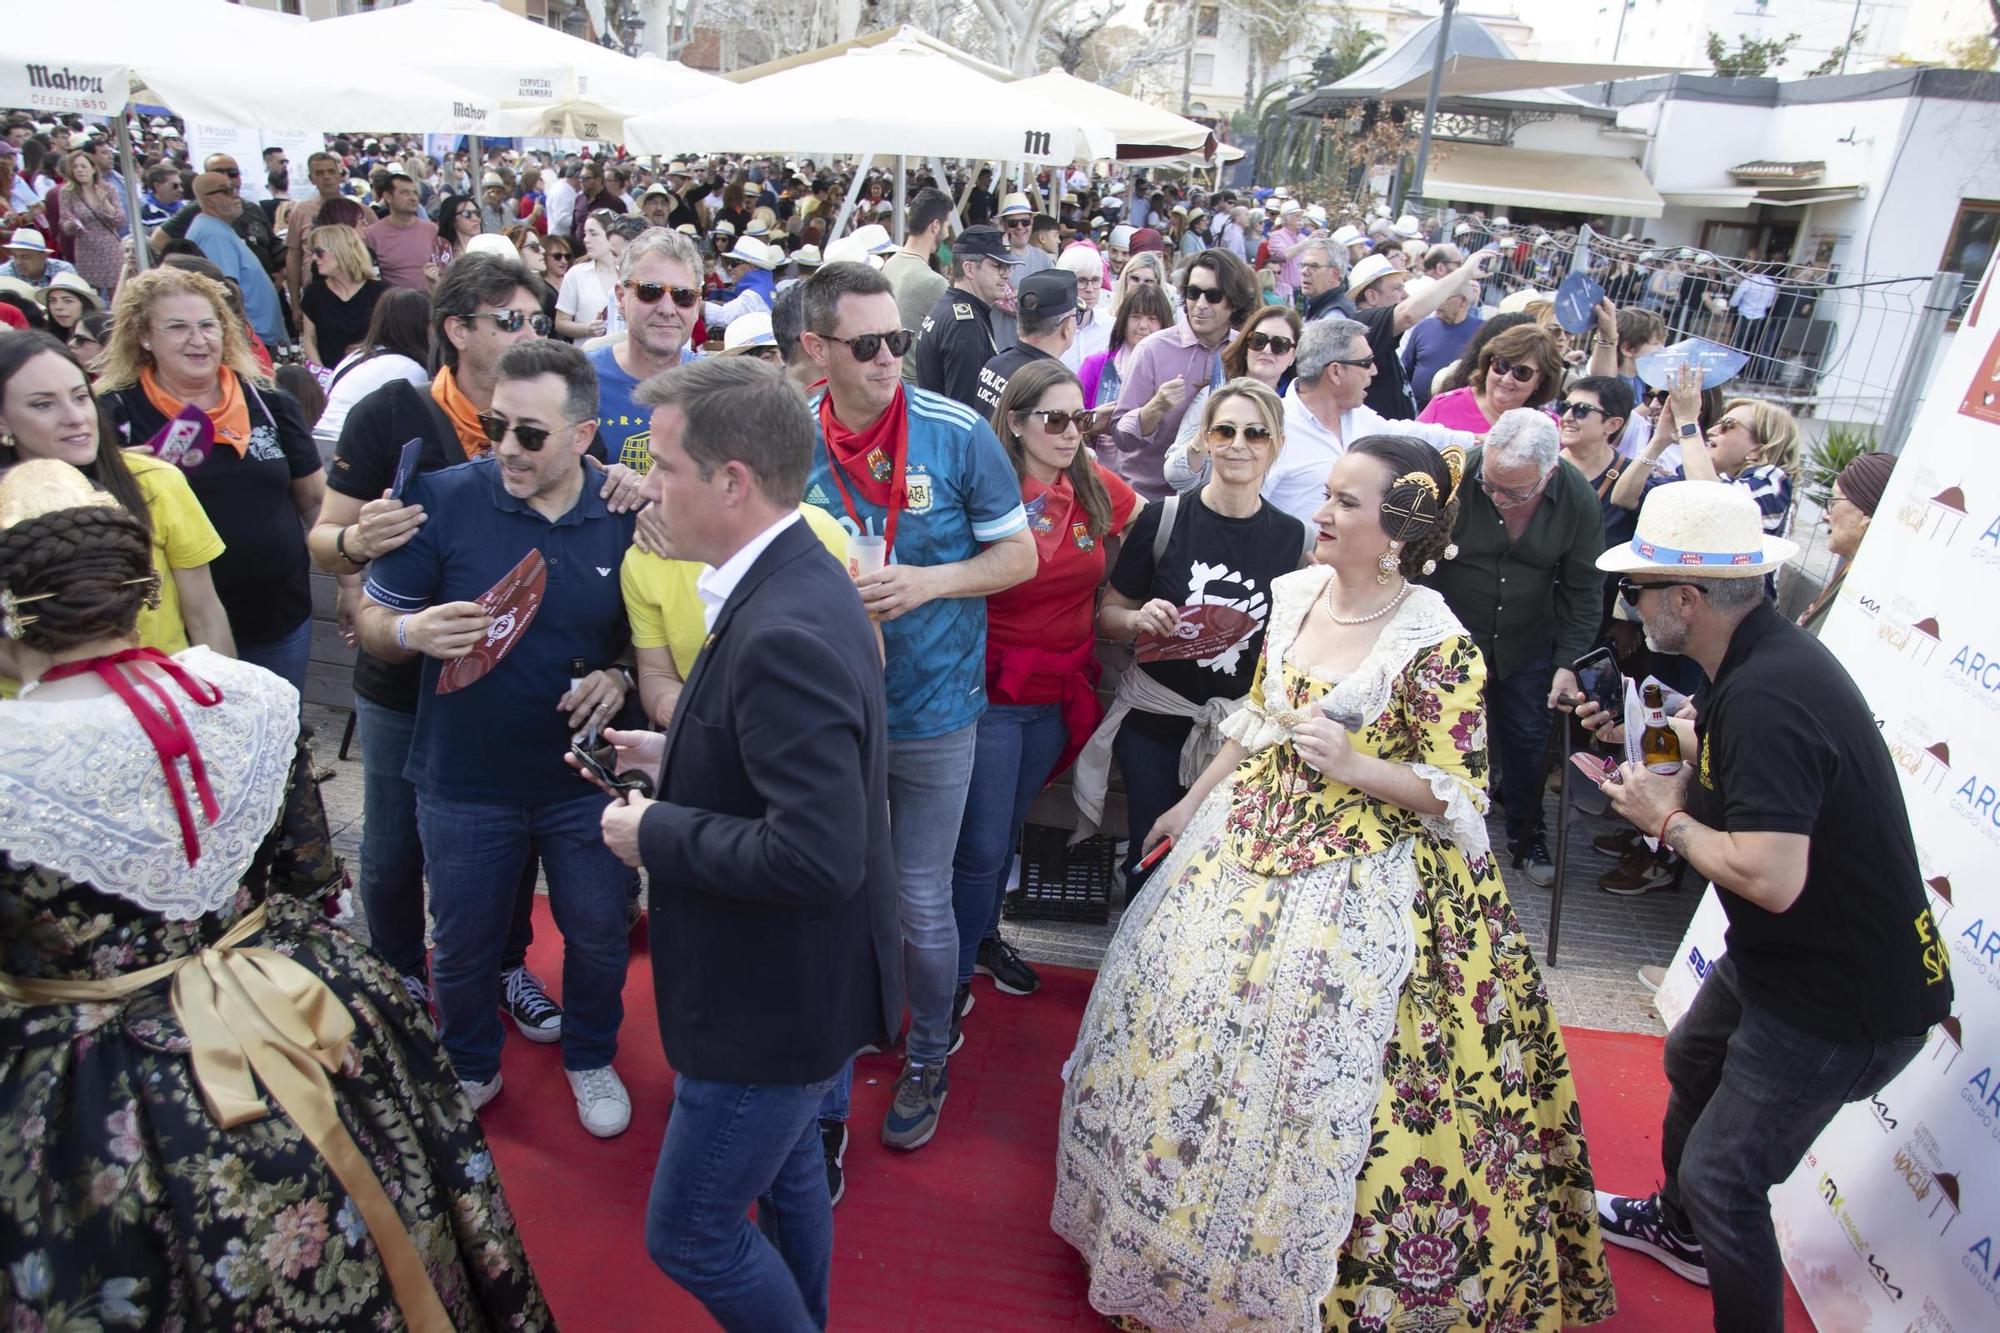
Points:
(402, 642)
(340, 546)
(1662, 839)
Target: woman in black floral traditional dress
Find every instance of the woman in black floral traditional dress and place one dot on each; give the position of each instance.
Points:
(217, 1110)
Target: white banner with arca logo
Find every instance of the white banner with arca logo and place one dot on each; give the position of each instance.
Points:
(1892, 1222)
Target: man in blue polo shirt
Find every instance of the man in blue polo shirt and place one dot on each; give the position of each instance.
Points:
(487, 756)
(927, 474)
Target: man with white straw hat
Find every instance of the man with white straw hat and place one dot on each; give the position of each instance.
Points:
(1382, 302)
(1788, 801)
(748, 266)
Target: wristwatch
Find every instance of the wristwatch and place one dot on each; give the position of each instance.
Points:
(631, 682)
(1689, 430)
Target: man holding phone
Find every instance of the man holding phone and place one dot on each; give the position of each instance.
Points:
(1792, 807)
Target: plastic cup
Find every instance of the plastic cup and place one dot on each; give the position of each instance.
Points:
(866, 553)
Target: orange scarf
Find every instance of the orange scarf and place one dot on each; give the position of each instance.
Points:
(230, 417)
(464, 416)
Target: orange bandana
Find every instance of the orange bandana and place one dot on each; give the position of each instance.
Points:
(230, 417)
(464, 416)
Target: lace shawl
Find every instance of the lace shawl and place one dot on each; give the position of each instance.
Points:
(82, 794)
(1422, 621)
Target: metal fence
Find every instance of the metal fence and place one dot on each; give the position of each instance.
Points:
(1831, 345)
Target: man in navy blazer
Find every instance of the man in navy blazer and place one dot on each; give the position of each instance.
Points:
(775, 940)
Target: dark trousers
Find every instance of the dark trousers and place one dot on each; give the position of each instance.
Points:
(1748, 1093)
(1151, 770)
(1517, 721)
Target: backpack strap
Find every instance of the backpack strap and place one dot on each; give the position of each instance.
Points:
(1169, 507)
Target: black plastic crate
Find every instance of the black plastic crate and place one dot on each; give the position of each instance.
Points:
(1060, 882)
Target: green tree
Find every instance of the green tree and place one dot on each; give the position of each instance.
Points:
(1751, 58)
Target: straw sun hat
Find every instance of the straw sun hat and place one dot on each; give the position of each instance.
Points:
(1702, 529)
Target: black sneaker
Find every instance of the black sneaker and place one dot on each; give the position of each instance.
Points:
(1010, 972)
(1638, 1224)
(913, 1115)
(833, 1141)
(961, 1005)
(523, 1000)
(1532, 856)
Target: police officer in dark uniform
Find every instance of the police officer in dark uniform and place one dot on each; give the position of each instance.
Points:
(956, 340)
(1048, 319)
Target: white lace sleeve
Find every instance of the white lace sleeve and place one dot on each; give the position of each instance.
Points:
(1463, 823)
(1252, 728)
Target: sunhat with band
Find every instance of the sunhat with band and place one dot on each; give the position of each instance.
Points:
(1702, 529)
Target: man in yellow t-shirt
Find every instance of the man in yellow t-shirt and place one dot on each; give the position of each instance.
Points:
(666, 614)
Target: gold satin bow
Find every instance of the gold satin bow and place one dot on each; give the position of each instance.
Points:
(254, 1015)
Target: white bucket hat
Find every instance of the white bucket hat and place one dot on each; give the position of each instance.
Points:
(747, 331)
(1347, 235)
(874, 238)
(1408, 227)
(1372, 268)
(750, 250)
(1704, 529)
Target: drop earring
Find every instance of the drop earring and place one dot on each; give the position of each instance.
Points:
(1385, 564)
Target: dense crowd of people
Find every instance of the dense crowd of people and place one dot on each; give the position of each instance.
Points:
(799, 543)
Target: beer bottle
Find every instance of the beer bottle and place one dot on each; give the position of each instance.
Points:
(1658, 743)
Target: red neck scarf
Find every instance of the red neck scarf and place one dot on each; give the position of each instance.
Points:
(876, 460)
(163, 725)
(1051, 510)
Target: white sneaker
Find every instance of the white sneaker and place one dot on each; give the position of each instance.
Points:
(602, 1103)
(480, 1093)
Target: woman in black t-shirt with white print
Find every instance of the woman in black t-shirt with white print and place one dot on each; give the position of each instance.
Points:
(1196, 604)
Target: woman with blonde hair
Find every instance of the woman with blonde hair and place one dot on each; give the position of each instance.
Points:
(1149, 269)
(1192, 588)
(339, 300)
(178, 357)
(1753, 444)
(92, 217)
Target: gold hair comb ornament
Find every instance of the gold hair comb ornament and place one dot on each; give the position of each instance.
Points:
(1454, 463)
(1423, 479)
(12, 622)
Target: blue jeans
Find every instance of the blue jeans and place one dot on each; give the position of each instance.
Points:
(1747, 1095)
(927, 784)
(1151, 770)
(473, 853)
(1018, 744)
(392, 855)
(728, 1144)
(285, 656)
(1517, 713)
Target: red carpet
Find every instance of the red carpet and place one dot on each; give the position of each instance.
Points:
(955, 1236)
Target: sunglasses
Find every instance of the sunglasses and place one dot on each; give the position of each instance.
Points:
(532, 438)
(651, 293)
(85, 340)
(1519, 374)
(1224, 432)
(1655, 396)
(1011, 223)
(868, 344)
(511, 321)
(531, 248)
(1277, 342)
(556, 252)
(1055, 421)
(1212, 295)
(231, 171)
(1581, 411)
(1630, 592)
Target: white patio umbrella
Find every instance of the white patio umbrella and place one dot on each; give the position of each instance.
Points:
(1145, 132)
(212, 61)
(517, 62)
(899, 98)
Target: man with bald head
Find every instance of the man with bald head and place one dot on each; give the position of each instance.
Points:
(250, 224)
(214, 230)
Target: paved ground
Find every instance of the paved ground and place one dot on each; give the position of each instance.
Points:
(1603, 941)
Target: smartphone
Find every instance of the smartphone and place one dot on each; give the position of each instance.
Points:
(1598, 676)
(406, 467)
(601, 762)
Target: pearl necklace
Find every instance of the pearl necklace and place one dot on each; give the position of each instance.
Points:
(1377, 614)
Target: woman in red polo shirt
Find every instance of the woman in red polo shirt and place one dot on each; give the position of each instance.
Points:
(1041, 667)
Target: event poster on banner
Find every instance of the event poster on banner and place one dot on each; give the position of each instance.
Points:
(1892, 1221)
(247, 147)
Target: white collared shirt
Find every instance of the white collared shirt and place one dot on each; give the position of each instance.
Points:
(1296, 482)
(715, 583)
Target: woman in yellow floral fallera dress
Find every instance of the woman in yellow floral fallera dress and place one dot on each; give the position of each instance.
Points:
(1319, 1082)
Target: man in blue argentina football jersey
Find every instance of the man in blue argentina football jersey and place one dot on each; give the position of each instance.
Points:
(929, 476)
